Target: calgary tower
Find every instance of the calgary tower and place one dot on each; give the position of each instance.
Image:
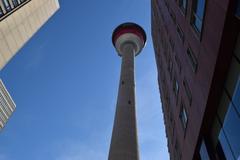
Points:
(128, 39)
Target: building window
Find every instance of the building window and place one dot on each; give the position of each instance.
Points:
(236, 96)
(198, 10)
(232, 86)
(178, 64)
(183, 5)
(175, 87)
(1, 12)
(6, 5)
(229, 135)
(177, 152)
(172, 16)
(188, 92)
(15, 3)
(172, 45)
(167, 5)
(183, 117)
(203, 151)
(170, 68)
(227, 123)
(192, 59)
(223, 149)
(180, 33)
(238, 9)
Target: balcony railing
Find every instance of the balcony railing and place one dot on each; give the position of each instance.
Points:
(15, 5)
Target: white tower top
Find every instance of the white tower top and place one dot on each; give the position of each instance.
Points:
(129, 33)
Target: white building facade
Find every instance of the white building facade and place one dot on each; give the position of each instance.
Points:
(19, 20)
(7, 105)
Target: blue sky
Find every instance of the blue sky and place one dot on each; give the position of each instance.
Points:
(65, 82)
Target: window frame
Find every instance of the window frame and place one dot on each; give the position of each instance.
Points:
(177, 155)
(15, 3)
(188, 92)
(204, 149)
(180, 33)
(172, 44)
(1, 12)
(175, 86)
(178, 62)
(194, 16)
(223, 136)
(181, 6)
(172, 15)
(7, 6)
(192, 59)
(183, 116)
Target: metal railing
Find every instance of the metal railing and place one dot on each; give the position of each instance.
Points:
(12, 9)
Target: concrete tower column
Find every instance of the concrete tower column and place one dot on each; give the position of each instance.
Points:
(128, 39)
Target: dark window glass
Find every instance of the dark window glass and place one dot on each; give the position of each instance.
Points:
(178, 63)
(15, 3)
(6, 5)
(172, 16)
(228, 145)
(170, 67)
(198, 10)
(1, 12)
(177, 152)
(232, 84)
(225, 148)
(238, 9)
(220, 152)
(167, 5)
(172, 45)
(203, 151)
(175, 86)
(183, 5)
(229, 135)
(192, 59)
(188, 92)
(183, 117)
(236, 96)
(180, 33)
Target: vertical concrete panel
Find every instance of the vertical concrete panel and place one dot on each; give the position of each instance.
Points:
(27, 28)
(11, 43)
(18, 39)
(22, 31)
(4, 27)
(5, 51)
(2, 59)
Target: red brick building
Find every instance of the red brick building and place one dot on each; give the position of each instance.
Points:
(197, 48)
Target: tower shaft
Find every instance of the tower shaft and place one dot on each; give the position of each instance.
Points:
(124, 144)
